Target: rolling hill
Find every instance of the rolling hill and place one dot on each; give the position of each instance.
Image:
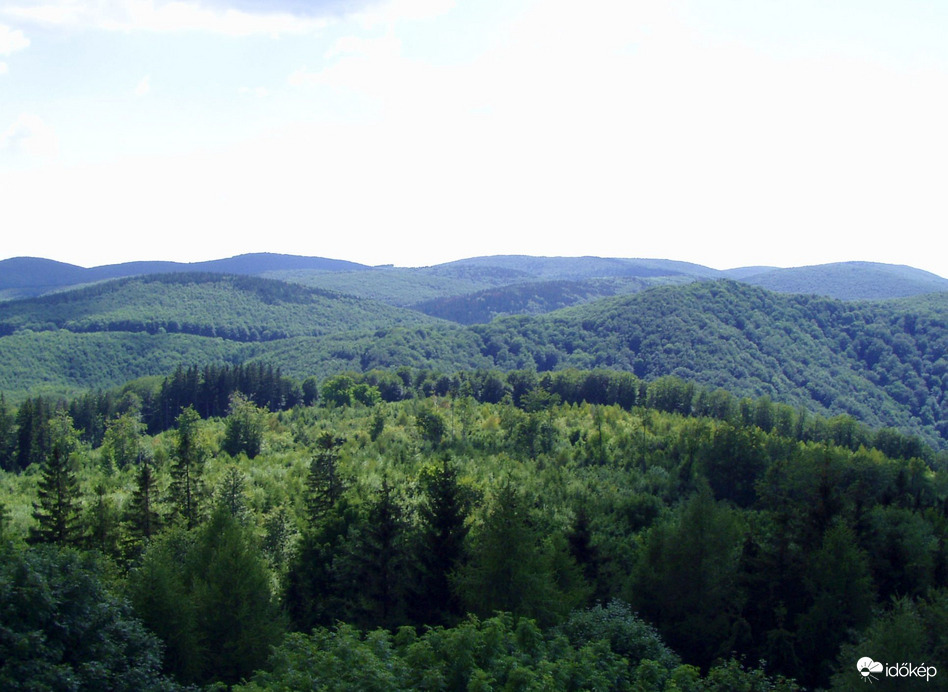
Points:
(22, 277)
(882, 362)
(850, 280)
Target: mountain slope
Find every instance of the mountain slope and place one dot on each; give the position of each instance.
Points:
(850, 280)
(233, 307)
(532, 298)
(883, 363)
(31, 276)
(573, 268)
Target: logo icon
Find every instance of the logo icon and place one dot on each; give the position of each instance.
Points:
(866, 667)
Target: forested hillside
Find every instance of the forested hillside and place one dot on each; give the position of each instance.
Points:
(850, 280)
(22, 277)
(471, 530)
(883, 363)
(236, 308)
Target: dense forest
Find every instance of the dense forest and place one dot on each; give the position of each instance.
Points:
(231, 526)
(510, 473)
(882, 362)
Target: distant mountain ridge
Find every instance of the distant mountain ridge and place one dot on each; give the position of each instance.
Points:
(22, 277)
(850, 280)
(455, 290)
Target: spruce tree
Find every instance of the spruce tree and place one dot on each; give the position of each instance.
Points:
(186, 469)
(7, 437)
(230, 493)
(102, 524)
(57, 508)
(142, 518)
(324, 485)
(511, 566)
(440, 548)
(378, 559)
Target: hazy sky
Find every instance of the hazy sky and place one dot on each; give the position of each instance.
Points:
(723, 132)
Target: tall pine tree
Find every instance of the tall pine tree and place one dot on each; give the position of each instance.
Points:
(440, 548)
(186, 487)
(142, 520)
(57, 507)
(324, 485)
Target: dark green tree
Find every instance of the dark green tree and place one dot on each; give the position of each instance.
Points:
(431, 426)
(207, 595)
(186, 488)
(315, 590)
(231, 493)
(102, 522)
(7, 437)
(142, 518)
(324, 484)
(686, 579)
(57, 508)
(842, 597)
(243, 431)
(63, 629)
(441, 545)
(514, 568)
(378, 559)
(121, 445)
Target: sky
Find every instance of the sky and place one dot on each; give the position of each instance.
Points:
(412, 132)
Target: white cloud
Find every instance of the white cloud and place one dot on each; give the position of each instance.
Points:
(618, 129)
(29, 138)
(144, 86)
(258, 92)
(162, 16)
(12, 40)
(4, 68)
(387, 13)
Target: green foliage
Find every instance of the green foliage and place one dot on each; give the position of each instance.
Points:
(686, 579)
(207, 596)
(627, 634)
(244, 427)
(909, 631)
(514, 568)
(755, 534)
(441, 546)
(186, 486)
(497, 653)
(324, 483)
(121, 445)
(56, 510)
(431, 426)
(142, 518)
(63, 628)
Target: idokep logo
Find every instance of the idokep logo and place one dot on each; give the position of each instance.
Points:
(866, 667)
(871, 670)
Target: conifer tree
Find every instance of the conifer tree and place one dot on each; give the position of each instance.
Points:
(186, 469)
(102, 522)
(379, 560)
(7, 437)
(142, 518)
(324, 485)
(57, 507)
(243, 427)
(230, 493)
(512, 568)
(441, 546)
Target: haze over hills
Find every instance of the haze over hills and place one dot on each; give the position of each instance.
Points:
(849, 280)
(465, 281)
(31, 276)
